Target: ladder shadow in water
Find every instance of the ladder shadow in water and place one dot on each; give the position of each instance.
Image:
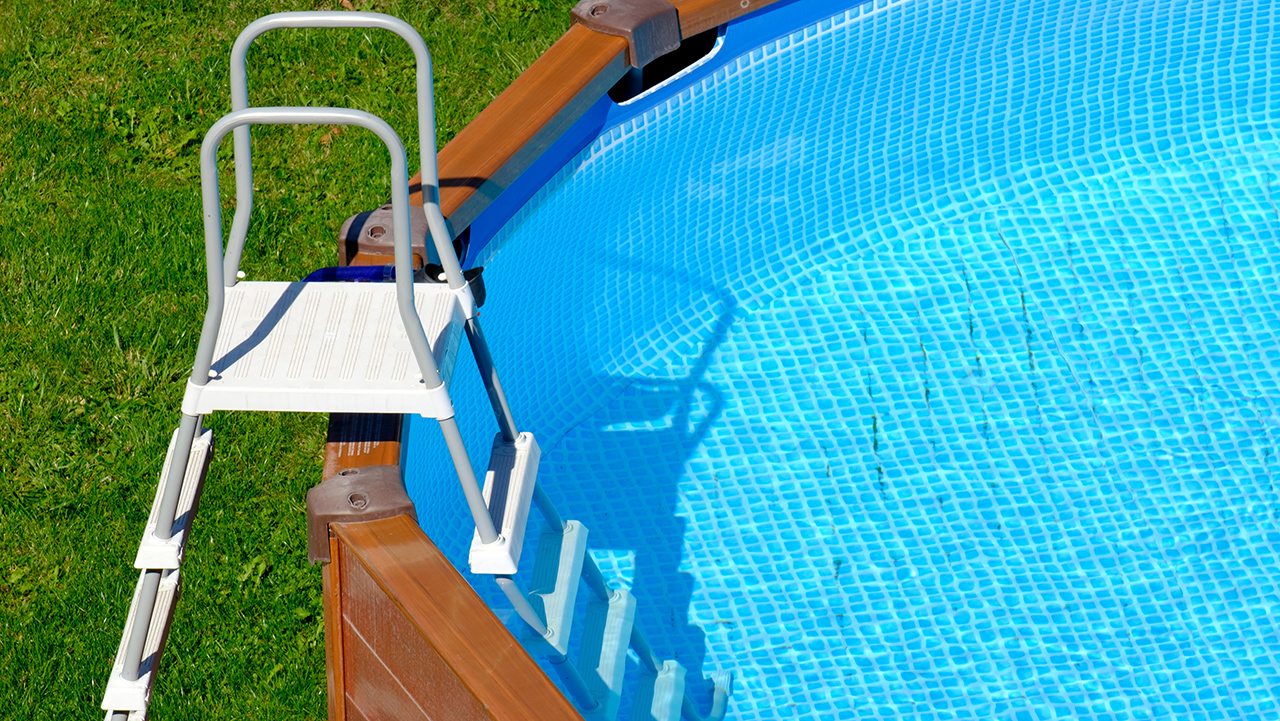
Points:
(635, 449)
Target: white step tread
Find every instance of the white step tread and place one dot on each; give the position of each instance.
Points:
(156, 552)
(508, 492)
(326, 348)
(554, 586)
(122, 695)
(606, 635)
(659, 697)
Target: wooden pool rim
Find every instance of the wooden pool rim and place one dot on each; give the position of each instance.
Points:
(504, 140)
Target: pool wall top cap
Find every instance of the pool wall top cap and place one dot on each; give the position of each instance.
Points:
(355, 495)
(650, 27)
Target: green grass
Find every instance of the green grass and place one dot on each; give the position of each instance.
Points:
(102, 108)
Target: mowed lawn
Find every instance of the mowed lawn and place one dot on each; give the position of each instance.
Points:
(102, 109)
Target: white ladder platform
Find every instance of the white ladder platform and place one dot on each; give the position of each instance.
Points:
(123, 695)
(554, 586)
(660, 696)
(156, 552)
(508, 492)
(603, 659)
(327, 348)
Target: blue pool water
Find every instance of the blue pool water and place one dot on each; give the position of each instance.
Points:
(922, 363)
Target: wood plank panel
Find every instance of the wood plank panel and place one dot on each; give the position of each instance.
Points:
(439, 606)
(354, 713)
(375, 692)
(331, 583)
(392, 671)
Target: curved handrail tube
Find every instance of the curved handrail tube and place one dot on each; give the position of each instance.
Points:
(399, 227)
(429, 166)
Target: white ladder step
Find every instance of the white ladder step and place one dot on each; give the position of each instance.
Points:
(603, 659)
(660, 696)
(554, 586)
(156, 552)
(508, 492)
(123, 695)
(327, 348)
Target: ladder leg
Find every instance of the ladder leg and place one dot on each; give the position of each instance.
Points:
(573, 681)
(567, 672)
(641, 646)
(177, 469)
(470, 487)
(168, 506)
(521, 604)
(159, 555)
(141, 622)
(489, 374)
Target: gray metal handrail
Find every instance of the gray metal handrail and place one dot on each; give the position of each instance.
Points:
(400, 226)
(428, 163)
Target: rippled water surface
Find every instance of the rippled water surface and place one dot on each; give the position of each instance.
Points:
(923, 364)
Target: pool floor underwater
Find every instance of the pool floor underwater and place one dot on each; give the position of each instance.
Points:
(922, 364)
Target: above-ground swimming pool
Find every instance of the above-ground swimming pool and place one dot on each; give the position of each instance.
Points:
(920, 362)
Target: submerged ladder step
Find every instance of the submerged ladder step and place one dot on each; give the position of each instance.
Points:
(327, 348)
(659, 696)
(508, 493)
(156, 552)
(126, 695)
(554, 586)
(606, 635)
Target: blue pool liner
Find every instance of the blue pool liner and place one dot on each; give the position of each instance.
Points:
(736, 37)
(922, 363)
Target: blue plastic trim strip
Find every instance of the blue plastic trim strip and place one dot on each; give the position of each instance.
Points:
(739, 37)
(353, 274)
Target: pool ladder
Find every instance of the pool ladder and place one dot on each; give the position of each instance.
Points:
(354, 348)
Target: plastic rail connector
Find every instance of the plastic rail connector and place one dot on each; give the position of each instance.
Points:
(508, 493)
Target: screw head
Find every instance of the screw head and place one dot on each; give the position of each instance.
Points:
(598, 10)
(358, 500)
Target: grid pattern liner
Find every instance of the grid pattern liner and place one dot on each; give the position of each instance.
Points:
(923, 364)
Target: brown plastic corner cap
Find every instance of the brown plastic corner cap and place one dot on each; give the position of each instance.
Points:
(353, 496)
(368, 236)
(650, 27)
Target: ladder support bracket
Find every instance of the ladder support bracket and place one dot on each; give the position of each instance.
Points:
(354, 495)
